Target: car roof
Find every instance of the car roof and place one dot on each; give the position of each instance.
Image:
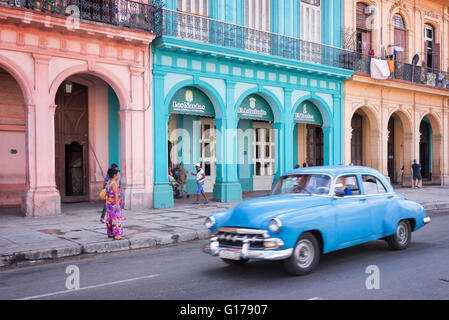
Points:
(335, 170)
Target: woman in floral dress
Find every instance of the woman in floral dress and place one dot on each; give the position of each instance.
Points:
(114, 220)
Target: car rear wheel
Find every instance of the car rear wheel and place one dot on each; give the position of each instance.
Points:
(305, 256)
(402, 237)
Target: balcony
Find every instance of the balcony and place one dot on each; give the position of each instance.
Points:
(404, 72)
(120, 13)
(203, 30)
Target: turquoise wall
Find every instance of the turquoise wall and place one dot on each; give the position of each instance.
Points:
(114, 128)
(227, 75)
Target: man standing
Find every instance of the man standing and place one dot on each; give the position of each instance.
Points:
(200, 178)
(417, 178)
(182, 180)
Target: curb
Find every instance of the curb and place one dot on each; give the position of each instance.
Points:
(33, 256)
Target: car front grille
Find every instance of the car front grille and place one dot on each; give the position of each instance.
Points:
(234, 237)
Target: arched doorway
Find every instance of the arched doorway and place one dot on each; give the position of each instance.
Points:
(425, 149)
(357, 140)
(87, 136)
(256, 144)
(192, 135)
(308, 135)
(399, 143)
(13, 177)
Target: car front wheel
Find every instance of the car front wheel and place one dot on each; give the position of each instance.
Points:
(402, 237)
(305, 256)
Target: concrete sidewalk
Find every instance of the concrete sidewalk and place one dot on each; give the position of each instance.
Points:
(78, 230)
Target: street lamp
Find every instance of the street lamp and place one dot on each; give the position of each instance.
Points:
(68, 87)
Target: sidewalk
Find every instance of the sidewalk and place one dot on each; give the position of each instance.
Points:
(78, 230)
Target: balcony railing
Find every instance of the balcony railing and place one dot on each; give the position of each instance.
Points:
(404, 71)
(205, 30)
(122, 13)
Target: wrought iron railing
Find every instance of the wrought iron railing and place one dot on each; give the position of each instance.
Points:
(122, 13)
(203, 29)
(405, 71)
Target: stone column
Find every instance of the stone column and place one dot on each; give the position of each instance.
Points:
(132, 122)
(163, 193)
(437, 144)
(41, 197)
(407, 147)
(227, 187)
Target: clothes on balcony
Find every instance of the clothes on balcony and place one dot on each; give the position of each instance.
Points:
(379, 69)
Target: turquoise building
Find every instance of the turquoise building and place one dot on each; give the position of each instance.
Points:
(248, 89)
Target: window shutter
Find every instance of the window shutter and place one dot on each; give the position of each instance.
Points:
(436, 56)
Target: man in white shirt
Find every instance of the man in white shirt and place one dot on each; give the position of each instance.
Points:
(200, 178)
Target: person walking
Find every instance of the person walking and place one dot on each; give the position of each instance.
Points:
(114, 219)
(106, 180)
(417, 177)
(200, 178)
(182, 180)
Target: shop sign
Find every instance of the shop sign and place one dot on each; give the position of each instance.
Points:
(191, 101)
(255, 107)
(307, 112)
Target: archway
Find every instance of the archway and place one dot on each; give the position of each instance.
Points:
(13, 177)
(87, 136)
(429, 149)
(308, 137)
(364, 138)
(399, 143)
(256, 144)
(192, 137)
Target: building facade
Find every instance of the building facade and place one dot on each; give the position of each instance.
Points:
(397, 115)
(248, 89)
(74, 98)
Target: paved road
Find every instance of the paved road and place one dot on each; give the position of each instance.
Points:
(184, 272)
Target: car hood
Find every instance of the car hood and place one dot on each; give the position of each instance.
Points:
(257, 213)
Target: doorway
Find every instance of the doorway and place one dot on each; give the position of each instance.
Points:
(315, 145)
(71, 143)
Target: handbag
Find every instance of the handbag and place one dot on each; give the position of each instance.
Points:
(104, 194)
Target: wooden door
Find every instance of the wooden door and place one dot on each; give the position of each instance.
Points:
(71, 143)
(314, 145)
(400, 41)
(356, 140)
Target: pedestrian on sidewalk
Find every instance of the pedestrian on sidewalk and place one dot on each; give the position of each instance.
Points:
(106, 180)
(182, 180)
(114, 219)
(417, 177)
(200, 178)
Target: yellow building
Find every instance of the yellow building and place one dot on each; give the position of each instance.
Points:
(396, 104)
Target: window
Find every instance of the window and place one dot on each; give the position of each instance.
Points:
(350, 185)
(430, 54)
(306, 184)
(372, 185)
(192, 19)
(258, 24)
(200, 7)
(311, 21)
(400, 38)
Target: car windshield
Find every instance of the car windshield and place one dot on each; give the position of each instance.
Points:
(307, 184)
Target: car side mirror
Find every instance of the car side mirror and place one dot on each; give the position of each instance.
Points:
(339, 194)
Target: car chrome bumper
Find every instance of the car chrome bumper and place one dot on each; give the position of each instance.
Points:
(214, 249)
(426, 220)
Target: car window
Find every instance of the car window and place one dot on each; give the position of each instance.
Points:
(307, 184)
(372, 185)
(350, 185)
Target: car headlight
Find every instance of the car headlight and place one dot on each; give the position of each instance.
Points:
(275, 225)
(209, 223)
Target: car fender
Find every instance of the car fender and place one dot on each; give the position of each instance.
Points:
(403, 210)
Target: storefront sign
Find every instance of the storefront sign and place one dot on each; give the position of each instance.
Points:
(191, 101)
(255, 107)
(307, 112)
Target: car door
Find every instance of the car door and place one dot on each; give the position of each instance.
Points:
(378, 199)
(352, 213)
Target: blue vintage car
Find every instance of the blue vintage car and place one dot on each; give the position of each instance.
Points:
(313, 211)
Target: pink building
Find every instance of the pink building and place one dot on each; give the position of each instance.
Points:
(74, 98)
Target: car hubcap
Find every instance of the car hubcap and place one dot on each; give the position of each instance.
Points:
(304, 253)
(402, 234)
